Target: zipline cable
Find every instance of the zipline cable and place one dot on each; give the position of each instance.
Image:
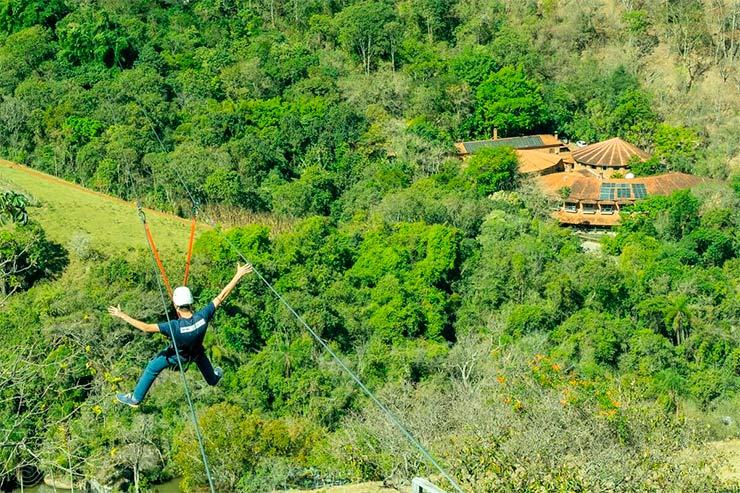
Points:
(179, 360)
(326, 347)
(313, 333)
(190, 246)
(352, 374)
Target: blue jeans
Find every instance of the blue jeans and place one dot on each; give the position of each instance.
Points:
(161, 362)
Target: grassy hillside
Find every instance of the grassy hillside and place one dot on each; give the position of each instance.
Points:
(68, 211)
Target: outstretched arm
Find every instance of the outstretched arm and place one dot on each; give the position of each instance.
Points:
(143, 326)
(241, 271)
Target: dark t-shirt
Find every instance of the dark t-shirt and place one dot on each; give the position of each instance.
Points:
(188, 332)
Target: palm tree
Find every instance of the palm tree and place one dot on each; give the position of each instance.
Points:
(678, 316)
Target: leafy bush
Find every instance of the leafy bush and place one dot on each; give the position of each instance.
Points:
(492, 169)
(26, 257)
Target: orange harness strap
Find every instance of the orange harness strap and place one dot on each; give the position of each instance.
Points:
(154, 251)
(190, 249)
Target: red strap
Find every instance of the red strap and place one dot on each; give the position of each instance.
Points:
(190, 250)
(156, 257)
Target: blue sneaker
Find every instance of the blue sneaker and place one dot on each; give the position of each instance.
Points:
(219, 373)
(127, 399)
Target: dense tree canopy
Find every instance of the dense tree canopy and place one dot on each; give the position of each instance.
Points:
(320, 133)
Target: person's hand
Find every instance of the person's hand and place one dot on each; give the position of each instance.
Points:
(115, 311)
(243, 270)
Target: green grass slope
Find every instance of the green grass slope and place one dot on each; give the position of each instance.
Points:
(68, 211)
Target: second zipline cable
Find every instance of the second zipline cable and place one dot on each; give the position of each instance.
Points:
(313, 333)
(336, 358)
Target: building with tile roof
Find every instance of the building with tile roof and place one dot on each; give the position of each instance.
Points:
(544, 142)
(538, 154)
(586, 186)
(591, 201)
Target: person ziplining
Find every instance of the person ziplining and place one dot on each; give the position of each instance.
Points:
(185, 334)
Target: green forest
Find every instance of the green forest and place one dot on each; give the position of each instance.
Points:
(317, 136)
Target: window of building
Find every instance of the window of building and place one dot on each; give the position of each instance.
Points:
(571, 207)
(607, 209)
(589, 208)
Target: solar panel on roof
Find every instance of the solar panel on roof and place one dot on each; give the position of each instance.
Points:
(639, 191)
(607, 191)
(515, 142)
(623, 191)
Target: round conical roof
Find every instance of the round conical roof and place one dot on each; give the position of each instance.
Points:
(613, 152)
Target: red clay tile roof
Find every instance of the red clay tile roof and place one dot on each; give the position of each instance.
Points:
(613, 152)
(588, 187)
(553, 182)
(550, 140)
(531, 161)
(585, 188)
(670, 182)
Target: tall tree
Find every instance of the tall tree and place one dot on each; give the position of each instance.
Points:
(27, 256)
(511, 102)
(19, 14)
(363, 31)
(724, 20)
(492, 169)
(678, 316)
